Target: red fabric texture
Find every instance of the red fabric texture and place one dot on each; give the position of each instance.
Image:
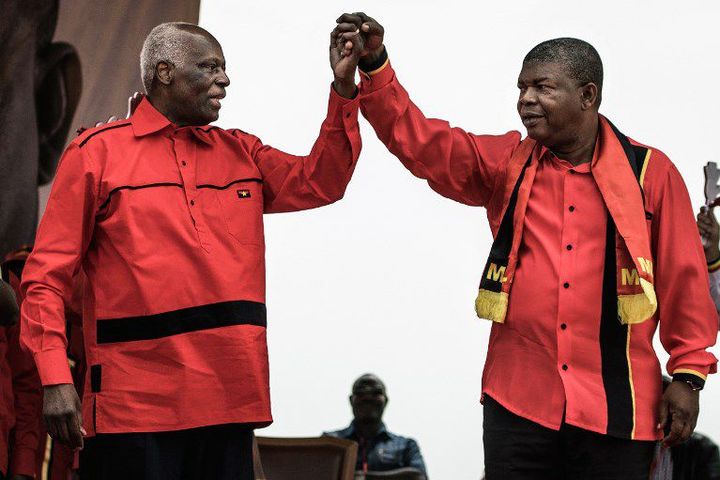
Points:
(22, 398)
(170, 245)
(524, 370)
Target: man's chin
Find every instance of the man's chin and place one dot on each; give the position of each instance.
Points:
(206, 118)
(540, 135)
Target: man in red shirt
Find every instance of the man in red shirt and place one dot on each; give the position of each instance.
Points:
(594, 232)
(164, 215)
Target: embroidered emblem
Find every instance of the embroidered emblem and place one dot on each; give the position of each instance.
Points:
(243, 193)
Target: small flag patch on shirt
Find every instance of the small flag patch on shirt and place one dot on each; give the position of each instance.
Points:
(243, 193)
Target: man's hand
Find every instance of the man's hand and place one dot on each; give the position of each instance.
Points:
(680, 406)
(133, 102)
(345, 48)
(61, 412)
(372, 33)
(709, 232)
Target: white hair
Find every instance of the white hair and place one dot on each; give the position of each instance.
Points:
(163, 44)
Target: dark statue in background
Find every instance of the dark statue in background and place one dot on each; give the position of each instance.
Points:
(40, 85)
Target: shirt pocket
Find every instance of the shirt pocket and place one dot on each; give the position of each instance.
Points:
(389, 456)
(241, 207)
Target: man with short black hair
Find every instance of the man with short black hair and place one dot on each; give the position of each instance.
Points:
(594, 232)
(379, 450)
(165, 216)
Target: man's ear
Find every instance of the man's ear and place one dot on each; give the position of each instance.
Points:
(58, 81)
(165, 72)
(589, 96)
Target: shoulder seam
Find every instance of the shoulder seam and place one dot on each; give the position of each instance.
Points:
(85, 140)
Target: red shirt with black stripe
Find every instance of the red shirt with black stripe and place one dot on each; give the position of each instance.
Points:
(554, 359)
(167, 224)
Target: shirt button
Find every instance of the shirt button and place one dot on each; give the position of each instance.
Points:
(564, 367)
(183, 163)
(566, 285)
(571, 208)
(569, 247)
(563, 326)
(192, 202)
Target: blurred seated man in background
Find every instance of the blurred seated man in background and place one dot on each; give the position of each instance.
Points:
(379, 450)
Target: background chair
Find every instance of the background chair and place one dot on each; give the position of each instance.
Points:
(399, 474)
(317, 458)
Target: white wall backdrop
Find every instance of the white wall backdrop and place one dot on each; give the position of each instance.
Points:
(384, 281)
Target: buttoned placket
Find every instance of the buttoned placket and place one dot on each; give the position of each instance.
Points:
(185, 153)
(568, 258)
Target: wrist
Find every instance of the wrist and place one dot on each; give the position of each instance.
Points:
(712, 254)
(691, 380)
(345, 87)
(373, 60)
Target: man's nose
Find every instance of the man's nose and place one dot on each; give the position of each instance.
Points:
(223, 80)
(528, 96)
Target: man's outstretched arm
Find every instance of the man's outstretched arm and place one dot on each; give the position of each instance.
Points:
(456, 164)
(292, 182)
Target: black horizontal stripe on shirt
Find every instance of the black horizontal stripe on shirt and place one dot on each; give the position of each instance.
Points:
(171, 184)
(136, 187)
(103, 130)
(193, 319)
(223, 187)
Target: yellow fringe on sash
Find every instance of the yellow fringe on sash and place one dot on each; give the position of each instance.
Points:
(491, 305)
(637, 308)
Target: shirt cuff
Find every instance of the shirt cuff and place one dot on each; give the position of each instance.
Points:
(373, 68)
(376, 79)
(341, 110)
(53, 367)
(23, 462)
(690, 375)
(714, 265)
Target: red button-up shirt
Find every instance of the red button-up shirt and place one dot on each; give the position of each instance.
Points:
(546, 360)
(167, 224)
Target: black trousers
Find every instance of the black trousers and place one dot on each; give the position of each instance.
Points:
(519, 449)
(220, 452)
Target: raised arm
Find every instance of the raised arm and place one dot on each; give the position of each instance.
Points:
(456, 164)
(710, 235)
(293, 182)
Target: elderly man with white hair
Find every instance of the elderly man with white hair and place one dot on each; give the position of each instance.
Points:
(165, 216)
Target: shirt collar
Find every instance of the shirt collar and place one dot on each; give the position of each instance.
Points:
(382, 431)
(547, 154)
(147, 119)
